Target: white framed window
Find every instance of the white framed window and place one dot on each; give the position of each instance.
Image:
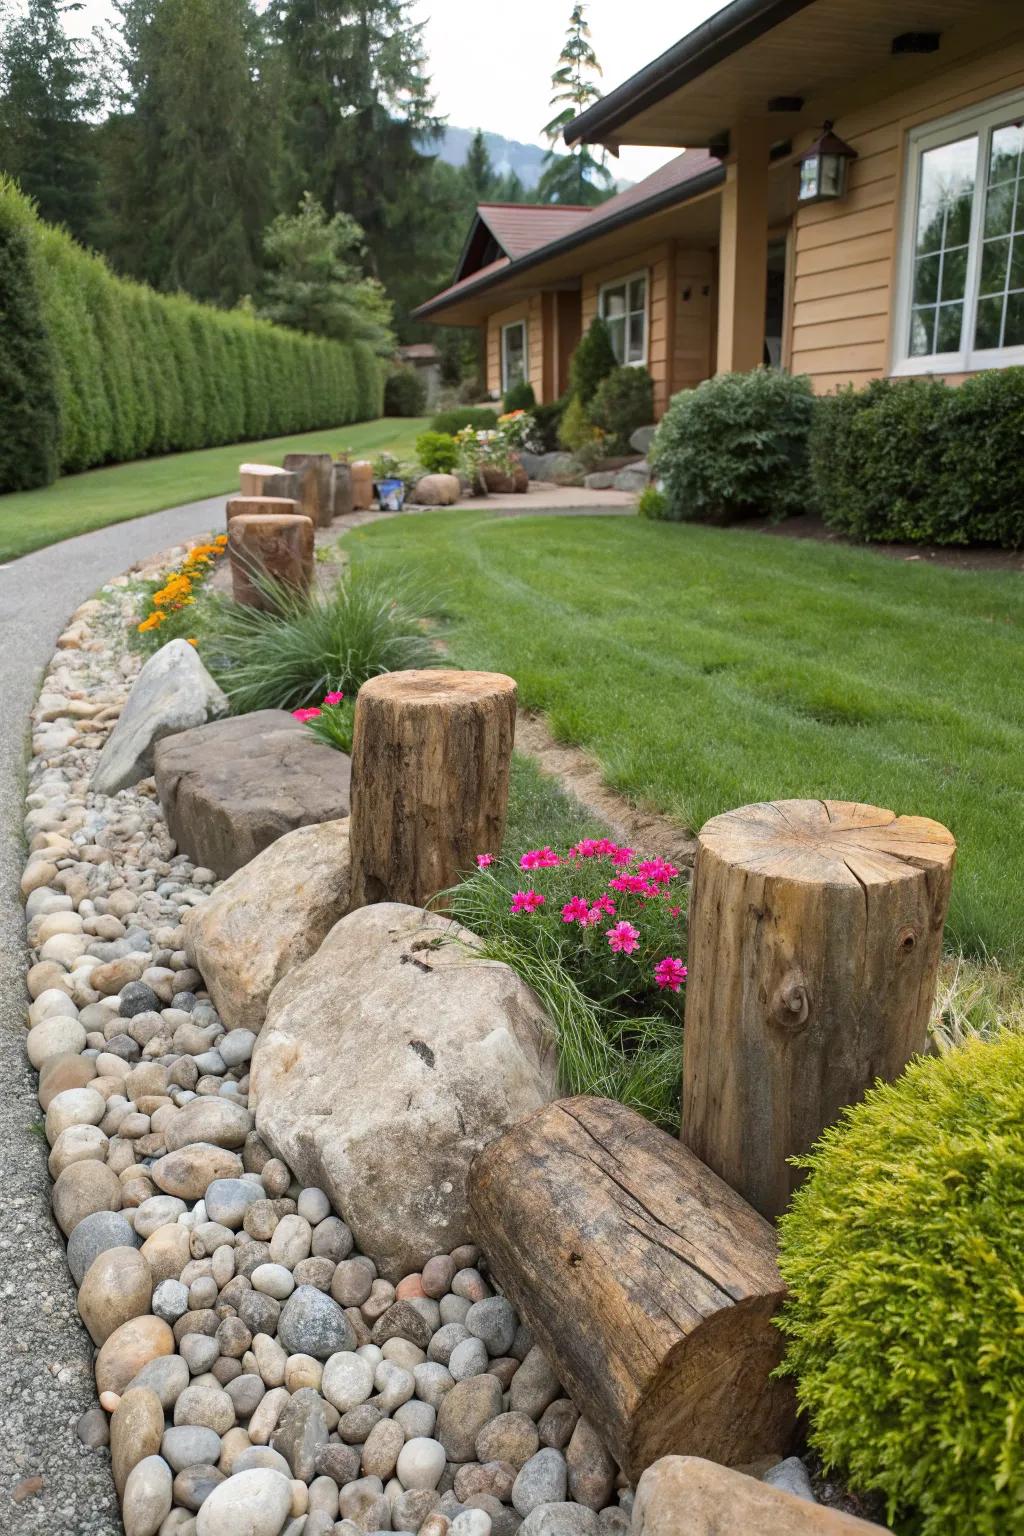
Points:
(513, 354)
(960, 283)
(622, 305)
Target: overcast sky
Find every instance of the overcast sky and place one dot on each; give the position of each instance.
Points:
(491, 61)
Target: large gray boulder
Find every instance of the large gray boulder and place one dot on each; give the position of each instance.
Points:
(268, 918)
(641, 440)
(549, 466)
(385, 1063)
(172, 693)
(634, 477)
(231, 788)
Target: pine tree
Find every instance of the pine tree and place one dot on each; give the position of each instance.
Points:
(478, 169)
(580, 176)
(187, 182)
(49, 86)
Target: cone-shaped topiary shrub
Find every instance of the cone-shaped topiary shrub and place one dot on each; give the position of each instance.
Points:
(904, 1258)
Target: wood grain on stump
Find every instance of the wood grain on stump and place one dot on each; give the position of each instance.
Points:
(649, 1283)
(315, 476)
(262, 506)
(279, 546)
(267, 480)
(815, 934)
(362, 484)
(430, 764)
(343, 504)
(684, 1496)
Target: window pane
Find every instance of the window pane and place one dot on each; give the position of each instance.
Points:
(1013, 336)
(989, 322)
(947, 336)
(954, 273)
(926, 279)
(617, 331)
(947, 191)
(1017, 263)
(995, 256)
(614, 302)
(922, 332)
(999, 209)
(637, 293)
(636, 338)
(1004, 158)
(515, 354)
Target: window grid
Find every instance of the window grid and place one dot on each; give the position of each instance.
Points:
(628, 326)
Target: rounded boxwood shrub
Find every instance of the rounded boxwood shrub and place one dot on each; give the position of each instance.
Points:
(904, 1263)
(623, 401)
(480, 417)
(405, 393)
(520, 397)
(736, 446)
(437, 452)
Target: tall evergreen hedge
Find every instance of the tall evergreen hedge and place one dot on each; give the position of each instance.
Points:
(95, 369)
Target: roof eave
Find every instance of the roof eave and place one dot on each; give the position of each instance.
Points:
(707, 181)
(723, 34)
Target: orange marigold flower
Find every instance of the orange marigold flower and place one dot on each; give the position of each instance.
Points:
(151, 623)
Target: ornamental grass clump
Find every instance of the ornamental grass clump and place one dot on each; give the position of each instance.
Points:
(310, 644)
(600, 935)
(903, 1255)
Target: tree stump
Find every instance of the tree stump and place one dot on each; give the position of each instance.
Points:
(649, 1284)
(430, 763)
(815, 934)
(258, 506)
(684, 1496)
(362, 484)
(343, 504)
(267, 480)
(280, 547)
(315, 475)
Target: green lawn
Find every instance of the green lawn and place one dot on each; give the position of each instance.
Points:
(708, 668)
(79, 503)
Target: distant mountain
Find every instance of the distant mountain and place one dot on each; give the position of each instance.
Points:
(527, 160)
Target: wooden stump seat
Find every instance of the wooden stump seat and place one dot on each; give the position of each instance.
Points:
(267, 480)
(314, 474)
(262, 506)
(278, 545)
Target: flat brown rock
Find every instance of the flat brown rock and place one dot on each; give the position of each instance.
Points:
(231, 788)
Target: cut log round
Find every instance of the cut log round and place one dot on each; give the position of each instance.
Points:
(362, 484)
(649, 1284)
(314, 473)
(431, 754)
(684, 1496)
(267, 480)
(815, 934)
(343, 504)
(262, 506)
(280, 547)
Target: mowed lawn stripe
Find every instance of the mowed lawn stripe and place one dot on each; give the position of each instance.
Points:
(707, 668)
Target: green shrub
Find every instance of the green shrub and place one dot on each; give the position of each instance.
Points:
(437, 452)
(576, 431)
(651, 503)
(547, 422)
(480, 417)
(29, 401)
(920, 461)
(903, 1260)
(520, 397)
(623, 401)
(593, 360)
(134, 372)
(617, 1028)
(405, 393)
(309, 645)
(736, 446)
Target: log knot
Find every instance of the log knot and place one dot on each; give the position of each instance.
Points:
(906, 940)
(790, 1005)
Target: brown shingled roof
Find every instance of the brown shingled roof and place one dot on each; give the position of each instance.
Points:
(522, 227)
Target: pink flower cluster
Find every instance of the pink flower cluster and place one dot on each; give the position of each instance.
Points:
(526, 901)
(600, 848)
(310, 713)
(539, 858)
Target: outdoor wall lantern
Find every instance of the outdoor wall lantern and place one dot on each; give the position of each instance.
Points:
(823, 166)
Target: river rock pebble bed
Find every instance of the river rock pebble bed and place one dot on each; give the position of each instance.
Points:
(254, 1374)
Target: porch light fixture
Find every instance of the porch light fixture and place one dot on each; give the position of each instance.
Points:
(823, 168)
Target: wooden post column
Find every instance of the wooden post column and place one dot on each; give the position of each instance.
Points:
(314, 474)
(815, 934)
(431, 753)
(279, 546)
(743, 251)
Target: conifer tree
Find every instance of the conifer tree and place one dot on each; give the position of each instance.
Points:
(479, 169)
(579, 176)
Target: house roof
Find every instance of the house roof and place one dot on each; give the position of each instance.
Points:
(795, 61)
(522, 227)
(686, 176)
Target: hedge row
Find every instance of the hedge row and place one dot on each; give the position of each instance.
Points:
(98, 369)
(902, 460)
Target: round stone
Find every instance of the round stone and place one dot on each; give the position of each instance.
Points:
(190, 1171)
(168, 1377)
(236, 1047)
(56, 1036)
(253, 1503)
(380, 1453)
(291, 1241)
(421, 1463)
(467, 1359)
(433, 1381)
(312, 1324)
(136, 1429)
(313, 1205)
(332, 1240)
(227, 1201)
(511, 1437)
(128, 1349)
(147, 1497)
(83, 1189)
(541, 1480)
(77, 1144)
(493, 1321)
(206, 1407)
(135, 998)
(352, 1282)
(117, 1287)
(94, 1235)
(189, 1445)
(273, 1280)
(471, 1522)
